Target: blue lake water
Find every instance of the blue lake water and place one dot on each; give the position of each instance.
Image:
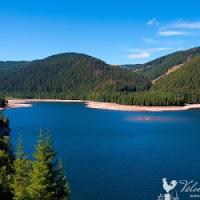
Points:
(115, 155)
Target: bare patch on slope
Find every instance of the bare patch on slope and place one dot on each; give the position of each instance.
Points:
(172, 69)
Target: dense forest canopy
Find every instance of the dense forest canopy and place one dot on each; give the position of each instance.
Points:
(8, 67)
(79, 76)
(71, 76)
(184, 82)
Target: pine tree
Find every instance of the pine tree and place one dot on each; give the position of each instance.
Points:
(40, 187)
(62, 189)
(22, 167)
(60, 185)
(48, 181)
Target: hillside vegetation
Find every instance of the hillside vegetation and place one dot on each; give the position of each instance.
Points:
(78, 76)
(160, 66)
(71, 76)
(184, 82)
(6, 68)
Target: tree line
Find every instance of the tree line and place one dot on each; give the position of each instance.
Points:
(146, 98)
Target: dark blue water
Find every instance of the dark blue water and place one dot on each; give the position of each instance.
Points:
(115, 155)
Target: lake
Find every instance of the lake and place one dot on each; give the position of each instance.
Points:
(113, 154)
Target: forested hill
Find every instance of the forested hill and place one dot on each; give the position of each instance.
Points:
(175, 89)
(160, 66)
(184, 82)
(71, 76)
(8, 67)
(79, 76)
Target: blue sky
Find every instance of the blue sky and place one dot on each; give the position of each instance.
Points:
(118, 32)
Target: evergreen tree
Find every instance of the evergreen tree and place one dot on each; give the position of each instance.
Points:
(40, 187)
(40, 179)
(62, 189)
(48, 181)
(22, 167)
(60, 186)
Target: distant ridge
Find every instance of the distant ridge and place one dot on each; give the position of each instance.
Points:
(160, 66)
(79, 76)
(71, 76)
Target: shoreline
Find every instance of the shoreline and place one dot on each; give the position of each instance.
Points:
(24, 103)
(135, 108)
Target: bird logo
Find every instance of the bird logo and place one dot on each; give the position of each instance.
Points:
(168, 187)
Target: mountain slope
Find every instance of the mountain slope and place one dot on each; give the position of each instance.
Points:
(71, 75)
(133, 67)
(169, 71)
(160, 66)
(184, 82)
(8, 67)
(78, 76)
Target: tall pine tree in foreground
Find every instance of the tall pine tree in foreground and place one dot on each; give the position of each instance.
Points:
(48, 181)
(40, 187)
(22, 168)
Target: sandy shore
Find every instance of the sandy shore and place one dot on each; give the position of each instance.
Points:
(19, 103)
(114, 106)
